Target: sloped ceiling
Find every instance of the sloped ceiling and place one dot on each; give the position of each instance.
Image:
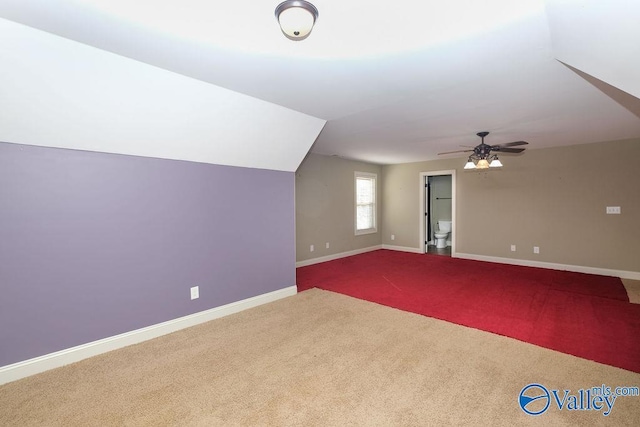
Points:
(395, 84)
(600, 38)
(60, 93)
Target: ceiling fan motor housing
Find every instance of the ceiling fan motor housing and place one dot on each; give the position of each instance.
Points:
(483, 150)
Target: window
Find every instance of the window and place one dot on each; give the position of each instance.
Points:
(365, 203)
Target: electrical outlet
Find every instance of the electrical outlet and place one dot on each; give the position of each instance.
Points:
(393, 237)
(513, 248)
(613, 209)
(195, 292)
(311, 248)
(536, 250)
(327, 245)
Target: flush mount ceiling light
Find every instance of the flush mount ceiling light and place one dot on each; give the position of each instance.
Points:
(296, 18)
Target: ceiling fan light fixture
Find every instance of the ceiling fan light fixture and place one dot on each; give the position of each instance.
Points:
(495, 163)
(296, 18)
(482, 157)
(482, 164)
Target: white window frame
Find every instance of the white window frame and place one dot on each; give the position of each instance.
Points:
(369, 176)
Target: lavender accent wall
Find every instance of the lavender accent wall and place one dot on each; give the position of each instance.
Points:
(93, 245)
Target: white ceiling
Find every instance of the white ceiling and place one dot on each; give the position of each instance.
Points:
(58, 93)
(396, 82)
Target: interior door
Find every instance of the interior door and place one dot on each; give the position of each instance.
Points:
(427, 209)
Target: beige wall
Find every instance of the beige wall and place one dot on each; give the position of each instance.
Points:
(552, 198)
(325, 206)
(401, 210)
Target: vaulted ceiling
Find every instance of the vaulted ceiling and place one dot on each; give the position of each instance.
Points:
(217, 81)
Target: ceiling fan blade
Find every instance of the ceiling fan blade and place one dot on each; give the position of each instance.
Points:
(459, 151)
(507, 149)
(513, 144)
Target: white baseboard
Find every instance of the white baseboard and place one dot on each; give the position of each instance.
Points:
(336, 256)
(60, 358)
(356, 252)
(634, 275)
(403, 249)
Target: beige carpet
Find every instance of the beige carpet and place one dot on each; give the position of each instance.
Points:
(633, 290)
(317, 358)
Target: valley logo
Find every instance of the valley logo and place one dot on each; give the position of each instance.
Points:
(535, 399)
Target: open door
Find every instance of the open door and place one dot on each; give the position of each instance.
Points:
(427, 210)
(427, 196)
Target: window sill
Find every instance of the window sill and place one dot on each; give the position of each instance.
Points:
(366, 231)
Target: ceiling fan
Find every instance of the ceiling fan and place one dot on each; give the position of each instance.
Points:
(482, 154)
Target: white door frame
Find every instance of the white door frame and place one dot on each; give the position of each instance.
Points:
(454, 235)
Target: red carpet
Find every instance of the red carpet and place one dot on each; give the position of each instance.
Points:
(580, 314)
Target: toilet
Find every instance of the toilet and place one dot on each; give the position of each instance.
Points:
(444, 228)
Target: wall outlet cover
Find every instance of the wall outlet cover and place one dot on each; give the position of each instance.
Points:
(195, 292)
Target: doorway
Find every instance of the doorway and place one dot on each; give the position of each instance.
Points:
(437, 203)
